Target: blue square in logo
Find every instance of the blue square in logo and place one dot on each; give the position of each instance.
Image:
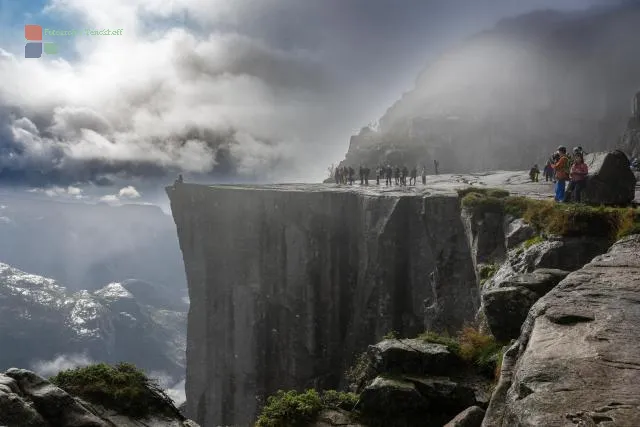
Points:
(33, 50)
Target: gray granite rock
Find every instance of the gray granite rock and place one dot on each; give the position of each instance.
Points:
(576, 360)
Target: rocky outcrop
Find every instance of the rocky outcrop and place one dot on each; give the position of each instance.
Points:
(610, 180)
(402, 382)
(506, 307)
(576, 360)
(288, 283)
(517, 232)
(28, 400)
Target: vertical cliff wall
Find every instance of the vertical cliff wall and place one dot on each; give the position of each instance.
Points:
(288, 283)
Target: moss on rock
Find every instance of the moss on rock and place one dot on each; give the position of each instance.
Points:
(123, 388)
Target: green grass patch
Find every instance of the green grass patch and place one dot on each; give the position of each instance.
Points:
(533, 241)
(452, 343)
(486, 272)
(549, 217)
(294, 409)
(123, 388)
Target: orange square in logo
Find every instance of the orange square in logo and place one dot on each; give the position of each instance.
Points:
(33, 32)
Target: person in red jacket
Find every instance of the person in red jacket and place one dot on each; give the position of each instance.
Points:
(578, 175)
(561, 168)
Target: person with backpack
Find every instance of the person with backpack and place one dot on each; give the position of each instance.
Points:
(561, 167)
(534, 173)
(578, 175)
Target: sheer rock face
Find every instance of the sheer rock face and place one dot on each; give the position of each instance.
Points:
(288, 283)
(576, 360)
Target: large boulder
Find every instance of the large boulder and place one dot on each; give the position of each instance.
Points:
(405, 357)
(576, 360)
(610, 181)
(406, 401)
(506, 307)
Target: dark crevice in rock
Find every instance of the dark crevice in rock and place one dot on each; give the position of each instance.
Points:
(569, 319)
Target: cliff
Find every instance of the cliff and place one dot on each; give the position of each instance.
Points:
(287, 283)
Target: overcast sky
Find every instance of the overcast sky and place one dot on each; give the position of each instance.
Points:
(280, 85)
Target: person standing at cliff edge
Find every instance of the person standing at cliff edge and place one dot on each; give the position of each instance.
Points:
(578, 175)
(562, 173)
(424, 176)
(436, 164)
(414, 175)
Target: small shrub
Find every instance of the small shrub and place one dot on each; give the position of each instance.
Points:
(472, 346)
(360, 370)
(487, 271)
(480, 204)
(468, 190)
(290, 409)
(339, 400)
(122, 387)
(433, 337)
(293, 409)
(497, 193)
(477, 347)
(516, 206)
(533, 241)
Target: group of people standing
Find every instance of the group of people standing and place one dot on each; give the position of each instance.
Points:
(397, 175)
(562, 167)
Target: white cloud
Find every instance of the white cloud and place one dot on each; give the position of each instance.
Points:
(129, 192)
(48, 368)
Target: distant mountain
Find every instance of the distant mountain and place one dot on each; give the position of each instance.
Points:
(86, 245)
(507, 97)
(130, 321)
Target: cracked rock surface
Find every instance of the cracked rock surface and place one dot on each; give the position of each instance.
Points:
(577, 361)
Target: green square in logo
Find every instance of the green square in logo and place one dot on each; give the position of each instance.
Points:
(50, 48)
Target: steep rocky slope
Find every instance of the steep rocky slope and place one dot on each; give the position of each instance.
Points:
(576, 360)
(131, 321)
(507, 97)
(288, 283)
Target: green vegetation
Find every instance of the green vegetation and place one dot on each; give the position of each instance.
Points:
(472, 346)
(550, 217)
(533, 241)
(452, 343)
(293, 409)
(359, 371)
(487, 271)
(122, 387)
